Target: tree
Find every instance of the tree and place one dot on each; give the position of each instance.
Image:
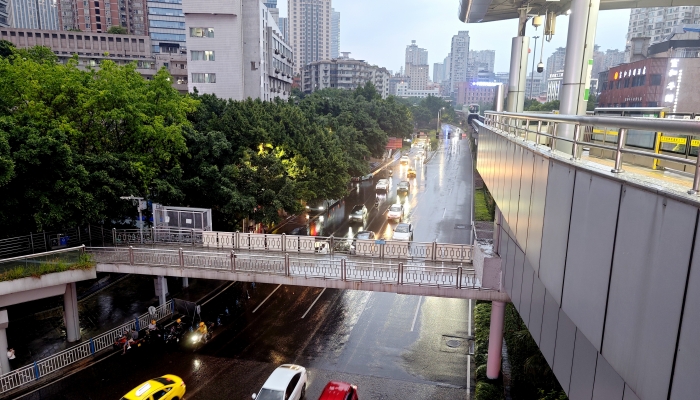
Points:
(117, 30)
(6, 48)
(592, 100)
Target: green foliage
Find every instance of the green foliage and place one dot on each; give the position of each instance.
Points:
(487, 391)
(6, 48)
(84, 262)
(80, 139)
(118, 30)
(482, 321)
(531, 376)
(534, 105)
(484, 209)
(592, 100)
(425, 111)
(480, 373)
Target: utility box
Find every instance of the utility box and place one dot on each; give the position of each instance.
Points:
(182, 217)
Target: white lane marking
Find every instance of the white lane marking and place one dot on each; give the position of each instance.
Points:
(268, 296)
(219, 293)
(443, 212)
(415, 316)
(312, 304)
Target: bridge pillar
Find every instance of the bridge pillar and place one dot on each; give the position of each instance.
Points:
(70, 313)
(4, 361)
(493, 364)
(185, 281)
(518, 66)
(578, 64)
(161, 285)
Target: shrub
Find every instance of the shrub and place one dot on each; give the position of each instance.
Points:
(487, 391)
(48, 267)
(481, 373)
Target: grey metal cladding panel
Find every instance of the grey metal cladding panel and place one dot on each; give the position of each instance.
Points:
(524, 200)
(564, 352)
(501, 172)
(608, 384)
(560, 188)
(589, 255)
(516, 174)
(536, 309)
(583, 369)
(536, 220)
(630, 395)
(517, 277)
(507, 274)
(650, 265)
(550, 318)
(507, 155)
(510, 265)
(526, 292)
(685, 377)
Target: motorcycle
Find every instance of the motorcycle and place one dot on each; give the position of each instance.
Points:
(197, 339)
(119, 343)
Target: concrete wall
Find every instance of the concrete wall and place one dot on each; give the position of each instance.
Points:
(602, 269)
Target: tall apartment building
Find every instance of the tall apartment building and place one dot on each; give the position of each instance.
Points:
(603, 61)
(344, 73)
(4, 13)
(284, 28)
(438, 72)
(555, 62)
(480, 61)
(657, 22)
(417, 68)
(100, 15)
(166, 26)
(310, 31)
(335, 33)
(236, 50)
(31, 14)
(459, 59)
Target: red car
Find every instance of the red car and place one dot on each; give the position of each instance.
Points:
(339, 391)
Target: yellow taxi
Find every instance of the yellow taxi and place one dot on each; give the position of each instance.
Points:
(167, 387)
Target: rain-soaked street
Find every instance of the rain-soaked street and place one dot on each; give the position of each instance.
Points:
(391, 346)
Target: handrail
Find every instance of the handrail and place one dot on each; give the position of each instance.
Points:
(46, 253)
(502, 121)
(32, 372)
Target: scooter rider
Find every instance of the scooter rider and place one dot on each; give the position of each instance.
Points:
(203, 330)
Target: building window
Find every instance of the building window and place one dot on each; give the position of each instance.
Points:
(203, 78)
(202, 55)
(202, 32)
(655, 80)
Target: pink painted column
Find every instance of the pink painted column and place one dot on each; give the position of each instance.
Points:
(493, 364)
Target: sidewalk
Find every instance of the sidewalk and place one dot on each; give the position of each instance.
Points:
(40, 334)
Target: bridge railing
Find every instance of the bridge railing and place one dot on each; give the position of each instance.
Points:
(325, 266)
(534, 127)
(31, 373)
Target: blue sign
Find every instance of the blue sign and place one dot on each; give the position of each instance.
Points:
(380, 241)
(63, 240)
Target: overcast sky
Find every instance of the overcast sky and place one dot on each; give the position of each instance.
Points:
(378, 31)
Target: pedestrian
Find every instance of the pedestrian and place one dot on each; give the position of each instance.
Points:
(11, 356)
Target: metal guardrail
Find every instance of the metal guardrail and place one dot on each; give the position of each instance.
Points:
(517, 124)
(42, 242)
(30, 373)
(391, 270)
(69, 255)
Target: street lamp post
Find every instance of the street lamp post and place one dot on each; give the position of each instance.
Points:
(532, 75)
(141, 205)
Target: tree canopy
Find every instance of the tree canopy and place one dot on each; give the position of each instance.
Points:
(116, 29)
(73, 141)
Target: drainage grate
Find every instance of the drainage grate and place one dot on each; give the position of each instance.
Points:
(454, 344)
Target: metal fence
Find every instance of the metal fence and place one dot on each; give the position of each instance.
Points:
(325, 266)
(67, 256)
(31, 373)
(53, 240)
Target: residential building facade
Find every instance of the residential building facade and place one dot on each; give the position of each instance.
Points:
(98, 16)
(416, 66)
(4, 13)
(395, 80)
(480, 61)
(555, 62)
(33, 14)
(344, 73)
(284, 28)
(310, 31)
(335, 33)
(481, 93)
(554, 85)
(438, 72)
(459, 59)
(166, 26)
(403, 90)
(657, 23)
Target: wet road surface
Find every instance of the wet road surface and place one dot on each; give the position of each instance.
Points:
(392, 346)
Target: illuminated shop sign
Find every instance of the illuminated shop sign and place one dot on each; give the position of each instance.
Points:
(673, 86)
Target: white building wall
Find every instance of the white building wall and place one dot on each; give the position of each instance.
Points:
(225, 17)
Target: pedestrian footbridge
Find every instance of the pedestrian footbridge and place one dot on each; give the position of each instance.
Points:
(430, 269)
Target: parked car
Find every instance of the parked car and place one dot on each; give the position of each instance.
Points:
(403, 232)
(335, 390)
(404, 160)
(359, 212)
(395, 212)
(287, 382)
(411, 173)
(382, 184)
(166, 387)
(404, 187)
(367, 177)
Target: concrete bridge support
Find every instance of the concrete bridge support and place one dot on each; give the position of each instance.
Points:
(4, 361)
(70, 313)
(185, 282)
(161, 285)
(493, 364)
